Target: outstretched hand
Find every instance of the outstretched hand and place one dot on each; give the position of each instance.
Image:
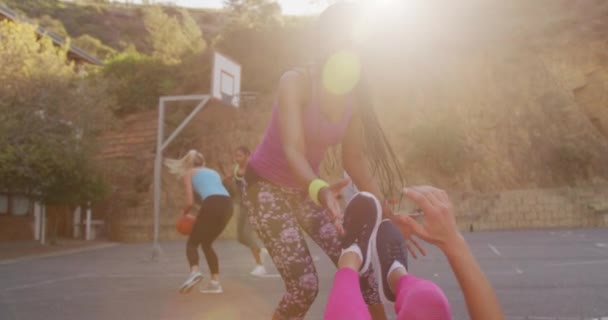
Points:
(330, 199)
(439, 226)
(411, 243)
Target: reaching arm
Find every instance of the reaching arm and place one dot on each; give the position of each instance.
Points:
(293, 94)
(479, 295)
(188, 192)
(439, 228)
(291, 99)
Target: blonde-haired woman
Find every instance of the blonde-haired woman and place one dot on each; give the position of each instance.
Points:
(212, 218)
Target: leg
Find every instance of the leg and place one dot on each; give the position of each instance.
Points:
(419, 299)
(315, 221)
(218, 211)
(194, 240)
(345, 300)
(271, 214)
(414, 298)
(245, 234)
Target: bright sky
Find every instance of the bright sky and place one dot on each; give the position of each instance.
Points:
(290, 7)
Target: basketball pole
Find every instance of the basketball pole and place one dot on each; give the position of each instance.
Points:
(161, 145)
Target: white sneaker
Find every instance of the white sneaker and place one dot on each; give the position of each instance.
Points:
(193, 279)
(212, 287)
(258, 271)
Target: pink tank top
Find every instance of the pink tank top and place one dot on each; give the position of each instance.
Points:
(268, 160)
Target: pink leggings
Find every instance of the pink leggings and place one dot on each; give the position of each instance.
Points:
(417, 299)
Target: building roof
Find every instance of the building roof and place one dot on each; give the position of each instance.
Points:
(75, 52)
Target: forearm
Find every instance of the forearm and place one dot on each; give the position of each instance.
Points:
(479, 295)
(300, 167)
(187, 208)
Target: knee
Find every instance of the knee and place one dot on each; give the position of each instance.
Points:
(308, 288)
(206, 247)
(191, 244)
(429, 302)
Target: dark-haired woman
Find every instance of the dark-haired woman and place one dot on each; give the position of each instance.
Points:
(245, 234)
(319, 106)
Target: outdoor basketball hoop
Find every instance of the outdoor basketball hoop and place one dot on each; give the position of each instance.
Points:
(226, 80)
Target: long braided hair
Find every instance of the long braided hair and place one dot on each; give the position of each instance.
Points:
(382, 159)
(333, 28)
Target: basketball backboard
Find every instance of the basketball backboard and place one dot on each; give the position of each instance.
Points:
(226, 80)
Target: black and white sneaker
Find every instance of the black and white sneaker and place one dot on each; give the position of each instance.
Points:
(390, 249)
(362, 217)
(193, 280)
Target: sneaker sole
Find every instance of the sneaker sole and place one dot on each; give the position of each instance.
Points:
(371, 243)
(378, 273)
(186, 288)
(211, 292)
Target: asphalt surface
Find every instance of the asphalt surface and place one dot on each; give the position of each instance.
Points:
(548, 274)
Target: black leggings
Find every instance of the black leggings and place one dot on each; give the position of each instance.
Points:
(212, 219)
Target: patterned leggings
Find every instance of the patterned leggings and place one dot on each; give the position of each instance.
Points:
(279, 215)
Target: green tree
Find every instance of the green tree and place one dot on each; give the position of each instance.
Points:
(256, 13)
(49, 118)
(94, 46)
(170, 38)
(52, 25)
(137, 80)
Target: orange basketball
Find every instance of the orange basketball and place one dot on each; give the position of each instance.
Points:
(184, 224)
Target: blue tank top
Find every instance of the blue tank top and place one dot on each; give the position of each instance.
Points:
(207, 182)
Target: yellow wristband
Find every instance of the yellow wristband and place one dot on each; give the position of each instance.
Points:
(313, 190)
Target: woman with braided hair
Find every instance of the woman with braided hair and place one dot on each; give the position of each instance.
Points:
(317, 107)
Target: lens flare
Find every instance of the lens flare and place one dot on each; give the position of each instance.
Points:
(341, 72)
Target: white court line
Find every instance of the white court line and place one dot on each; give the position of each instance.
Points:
(499, 273)
(579, 263)
(118, 276)
(515, 268)
(45, 282)
(58, 253)
(493, 248)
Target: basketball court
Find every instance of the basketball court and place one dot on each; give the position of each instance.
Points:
(542, 275)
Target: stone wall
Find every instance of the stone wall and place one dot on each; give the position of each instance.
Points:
(133, 221)
(583, 206)
(136, 225)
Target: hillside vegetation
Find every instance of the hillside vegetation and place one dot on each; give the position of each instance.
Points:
(487, 95)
